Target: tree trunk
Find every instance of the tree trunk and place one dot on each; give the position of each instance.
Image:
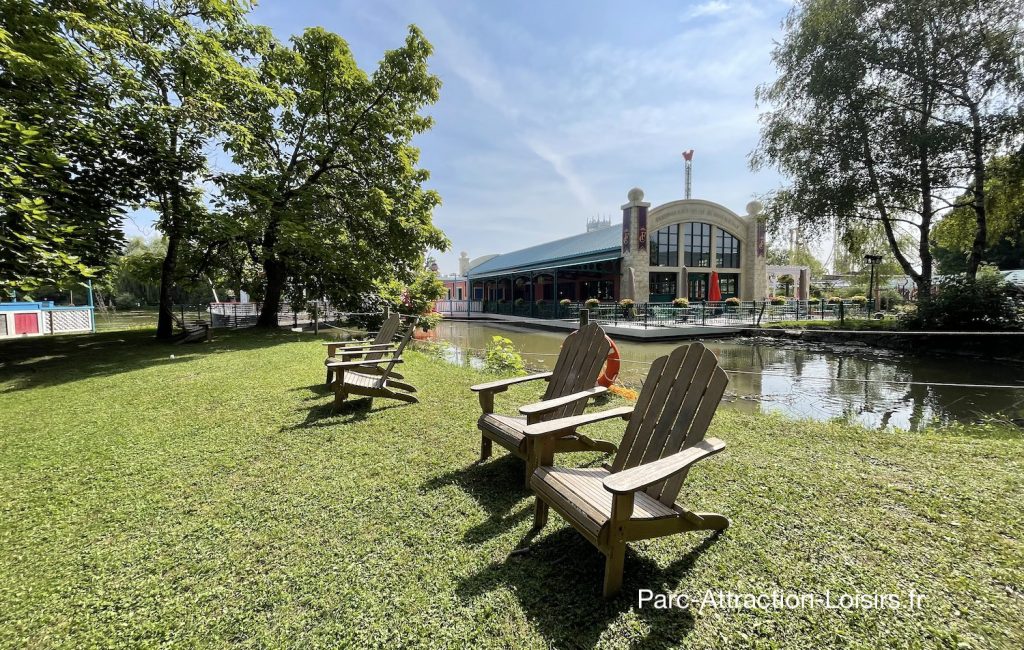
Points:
(165, 320)
(276, 276)
(981, 230)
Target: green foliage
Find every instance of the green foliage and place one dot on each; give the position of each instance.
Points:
(961, 303)
(65, 158)
(681, 302)
(626, 302)
(591, 303)
(565, 302)
(859, 300)
(330, 196)
(1004, 200)
(731, 301)
(502, 357)
(777, 300)
(873, 115)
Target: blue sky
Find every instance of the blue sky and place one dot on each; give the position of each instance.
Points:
(551, 111)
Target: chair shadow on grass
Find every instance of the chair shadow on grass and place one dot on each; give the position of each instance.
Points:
(558, 583)
(497, 486)
(329, 415)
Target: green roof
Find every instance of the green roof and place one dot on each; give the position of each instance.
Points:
(594, 246)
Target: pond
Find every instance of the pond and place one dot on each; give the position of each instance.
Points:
(875, 387)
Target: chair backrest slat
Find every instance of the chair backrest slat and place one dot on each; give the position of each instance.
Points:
(673, 411)
(388, 330)
(578, 366)
(398, 351)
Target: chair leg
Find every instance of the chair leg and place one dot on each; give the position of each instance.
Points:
(614, 566)
(401, 385)
(486, 447)
(540, 514)
(330, 373)
(339, 397)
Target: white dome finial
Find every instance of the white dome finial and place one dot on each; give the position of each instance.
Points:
(635, 195)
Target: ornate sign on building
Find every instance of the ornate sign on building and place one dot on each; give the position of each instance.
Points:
(641, 228)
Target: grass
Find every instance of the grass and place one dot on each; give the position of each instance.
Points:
(126, 319)
(855, 324)
(215, 498)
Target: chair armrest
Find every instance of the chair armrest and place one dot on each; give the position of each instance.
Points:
(502, 385)
(550, 405)
(641, 476)
(362, 351)
(564, 425)
(349, 341)
(362, 364)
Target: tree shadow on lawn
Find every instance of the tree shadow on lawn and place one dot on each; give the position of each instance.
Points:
(559, 582)
(54, 360)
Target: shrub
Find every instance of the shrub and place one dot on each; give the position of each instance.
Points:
(540, 302)
(778, 300)
(625, 302)
(859, 300)
(502, 357)
(520, 302)
(565, 302)
(592, 302)
(960, 303)
(681, 302)
(834, 300)
(126, 300)
(733, 301)
(813, 301)
(429, 321)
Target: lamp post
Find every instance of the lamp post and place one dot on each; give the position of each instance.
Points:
(873, 261)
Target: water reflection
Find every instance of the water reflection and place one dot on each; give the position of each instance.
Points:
(801, 380)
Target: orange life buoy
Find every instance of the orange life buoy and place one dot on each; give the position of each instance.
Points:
(611, 365)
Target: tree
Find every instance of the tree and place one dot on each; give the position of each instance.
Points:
(64, 172)
(953, 239)
(881, 110)
(178, 67)
(787, 281)
(330, 198)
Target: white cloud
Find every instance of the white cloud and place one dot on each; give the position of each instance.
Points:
(712, 8)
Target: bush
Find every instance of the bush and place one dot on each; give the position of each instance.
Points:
(540, 303)
(126, 300)
(960, 303)
(733, 301)
(591, 303)
(813, 301)
(565, 302)
(502, 357)
(859, 300)
(625, 302)
(778, 300)
(429, 321)
(834, 300)
(520, 302)
(681, 302)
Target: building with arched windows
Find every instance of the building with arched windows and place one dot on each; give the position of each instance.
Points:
(655, 255)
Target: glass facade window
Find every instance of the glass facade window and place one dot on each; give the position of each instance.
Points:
(697, 245)
(729, 285)
(665, 246)
(662, 287)
(600, 289)
(728, 251)
(698, 286)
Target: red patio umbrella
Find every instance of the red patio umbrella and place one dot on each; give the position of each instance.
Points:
(714, 292)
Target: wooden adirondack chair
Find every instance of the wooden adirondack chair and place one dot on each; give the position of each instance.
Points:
(370, 348)
(374, 377)
(635, 498)
(570, 385)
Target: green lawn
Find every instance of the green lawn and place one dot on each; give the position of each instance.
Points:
(215, 498)
(857, 324)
